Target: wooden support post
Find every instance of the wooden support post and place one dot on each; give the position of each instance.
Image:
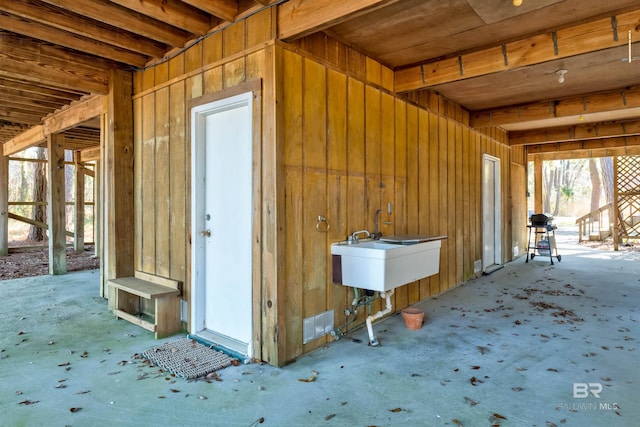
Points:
(537, 186)
(97, 210)
(78, 221)
(56, 205)
(4, 205)
(616, 208)
(117, 161)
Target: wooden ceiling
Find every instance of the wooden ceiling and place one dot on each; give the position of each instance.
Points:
(497, 60)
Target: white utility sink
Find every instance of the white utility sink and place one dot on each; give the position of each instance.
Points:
(379, 265)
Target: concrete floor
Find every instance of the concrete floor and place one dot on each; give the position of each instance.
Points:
(504, 349)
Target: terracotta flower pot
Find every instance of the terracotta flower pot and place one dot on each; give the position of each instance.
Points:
(413, 318)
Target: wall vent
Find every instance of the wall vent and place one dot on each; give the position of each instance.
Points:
(317, 326)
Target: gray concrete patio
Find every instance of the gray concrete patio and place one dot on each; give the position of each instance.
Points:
(520, 347)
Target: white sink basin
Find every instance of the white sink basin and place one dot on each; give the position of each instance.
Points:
(381, 266)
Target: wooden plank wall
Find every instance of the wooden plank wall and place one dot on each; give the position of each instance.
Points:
(350, 147)
(223, 60)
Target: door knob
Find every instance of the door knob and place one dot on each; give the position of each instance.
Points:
(205, 233)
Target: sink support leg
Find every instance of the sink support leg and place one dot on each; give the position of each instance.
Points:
(372, 339)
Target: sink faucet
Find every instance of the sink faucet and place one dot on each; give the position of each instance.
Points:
(376, 232)
(355, 234)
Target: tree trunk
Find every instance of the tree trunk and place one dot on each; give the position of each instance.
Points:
(39, 212)
(596, 185)
(606, 167)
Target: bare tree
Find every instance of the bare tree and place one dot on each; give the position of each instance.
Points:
(596, 185)
(39, 212)
(606, 167)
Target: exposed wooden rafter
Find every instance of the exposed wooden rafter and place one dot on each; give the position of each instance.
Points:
(66, 21)
(575, 133)
(125, 19)
(625, 99)
(563, 43)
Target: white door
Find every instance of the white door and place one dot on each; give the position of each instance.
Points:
(491, 239)
(222, 222)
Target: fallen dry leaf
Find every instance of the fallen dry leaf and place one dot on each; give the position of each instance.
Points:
(457, 422)
(470, 401)
(396, 410)
(28, 402)
(74, 410)
(312, 378)
(328, 417)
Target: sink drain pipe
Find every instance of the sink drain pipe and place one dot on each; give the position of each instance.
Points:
(372, 339)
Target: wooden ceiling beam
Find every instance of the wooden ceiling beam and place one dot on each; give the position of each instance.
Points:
(20, 117)
(126, 19)
(77, 113)
(72, 41)
(175, 13)
(19, 104)
(40, 64)
(604, 147)
(29, 98)
(40, 73)
(575, 133)
(43, 13)
(563, 43)
(38, 91)
(226, 10)
(31, 137)
(622, 99)
(299, 18)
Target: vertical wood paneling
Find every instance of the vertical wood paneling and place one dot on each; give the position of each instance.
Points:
(177, 185)
(459, 191)
(443, 201)
(212, 80)
(314, 183)
(148, 186)
(399, 214)
(356, 184)
(234, 72)
(424, 155)
(212, 48)
(452, 204)
(465, 152)
(193, 58)
(292, 123)
(234, 38)
(337, 295)
(137, 180)
(259, 28)
(413, 170)
(433, 171)
(163, 176)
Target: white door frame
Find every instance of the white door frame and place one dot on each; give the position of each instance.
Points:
(198, 260)
(497, 213)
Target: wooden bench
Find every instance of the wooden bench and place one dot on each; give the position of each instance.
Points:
(165, 294)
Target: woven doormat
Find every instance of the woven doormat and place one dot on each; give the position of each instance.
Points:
(187, 358)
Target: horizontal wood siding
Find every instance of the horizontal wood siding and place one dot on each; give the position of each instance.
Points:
(351, 147)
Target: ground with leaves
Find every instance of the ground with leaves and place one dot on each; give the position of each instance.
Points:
(27, 261)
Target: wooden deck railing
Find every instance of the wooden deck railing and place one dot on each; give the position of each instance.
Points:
(598, 223)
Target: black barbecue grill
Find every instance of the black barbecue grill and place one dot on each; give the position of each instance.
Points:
(543, 233)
